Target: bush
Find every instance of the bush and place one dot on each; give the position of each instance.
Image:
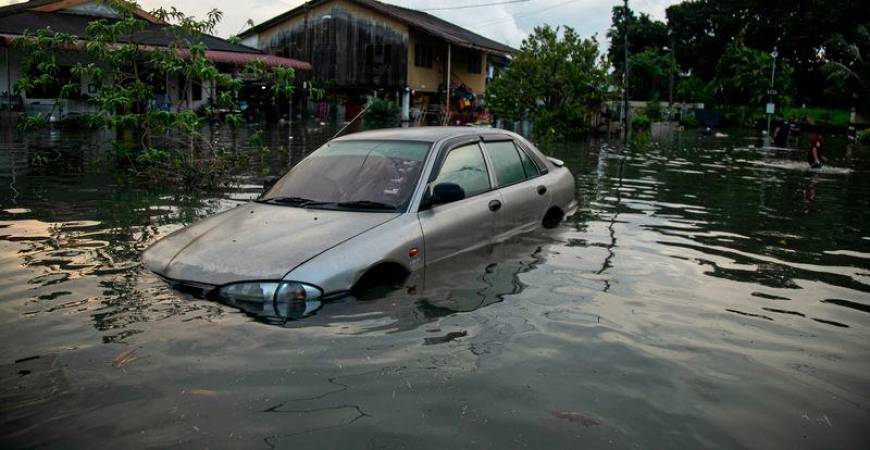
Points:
(864, 136)
(820, 116)
(653, 108)
(381, 114)
(690, 121)
(640, 121)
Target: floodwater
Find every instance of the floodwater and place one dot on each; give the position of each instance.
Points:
(708, 294)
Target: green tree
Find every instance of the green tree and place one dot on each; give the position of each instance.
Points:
(743, 78)
(559, 83)
(848, 72)
(651, 70)
(644, 34)
(703, 29)
(692, 89)
(127, 74)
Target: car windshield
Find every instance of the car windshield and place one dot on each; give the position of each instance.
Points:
(366, 175)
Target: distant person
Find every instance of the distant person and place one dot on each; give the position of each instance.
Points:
(816, 152)
(794, 132)
(780, 133)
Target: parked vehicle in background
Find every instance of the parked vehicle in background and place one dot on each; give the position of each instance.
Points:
(368, 206)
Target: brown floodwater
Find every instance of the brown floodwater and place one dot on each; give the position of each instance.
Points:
(708, 294)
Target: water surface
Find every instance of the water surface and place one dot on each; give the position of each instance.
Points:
(707, 294)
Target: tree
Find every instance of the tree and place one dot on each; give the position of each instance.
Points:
(692, 89)
(703, 29)
(644, 34)
(127, 74)
(557, 82)
(651, 70)
(848, 75)
(743, 77)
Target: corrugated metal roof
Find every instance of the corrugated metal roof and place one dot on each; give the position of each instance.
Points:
(155, 35)
(417, 19)
(236, 58)
(76, 24)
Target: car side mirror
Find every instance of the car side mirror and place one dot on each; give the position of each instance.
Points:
(447, 193)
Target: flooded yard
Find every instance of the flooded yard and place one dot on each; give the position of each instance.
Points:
(707, 294)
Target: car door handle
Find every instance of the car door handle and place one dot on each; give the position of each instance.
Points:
(542, 189)
(494, 205)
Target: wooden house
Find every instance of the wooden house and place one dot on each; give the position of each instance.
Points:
(73, 17)
(358, 47)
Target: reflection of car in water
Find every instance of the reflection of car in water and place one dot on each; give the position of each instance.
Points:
(364, 209)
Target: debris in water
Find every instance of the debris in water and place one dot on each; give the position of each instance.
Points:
(202, 392)
(29, 358)
(124, 357)
(576, 417)
(446, 338)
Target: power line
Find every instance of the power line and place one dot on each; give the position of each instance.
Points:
(478, 5)
(513, 17)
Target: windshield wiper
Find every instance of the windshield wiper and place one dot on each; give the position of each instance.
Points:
(295, 201)
(366, 204)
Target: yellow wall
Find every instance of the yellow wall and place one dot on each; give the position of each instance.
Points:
(323, 9)
(460, 73)
(421, 79)
(426, 79)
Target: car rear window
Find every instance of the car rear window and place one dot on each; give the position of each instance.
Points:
(466, 167)
(506, 161)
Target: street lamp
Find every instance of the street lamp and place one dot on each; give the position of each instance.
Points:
(771, 108)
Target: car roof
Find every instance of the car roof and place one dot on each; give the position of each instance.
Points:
(424, 134)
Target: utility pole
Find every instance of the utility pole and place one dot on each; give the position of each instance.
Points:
(447, 90)
(625, 112)
(673, 69)
(772, 91)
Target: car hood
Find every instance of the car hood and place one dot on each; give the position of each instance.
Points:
(255, 241)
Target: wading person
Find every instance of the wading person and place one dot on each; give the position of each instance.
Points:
(780, 133)
(814, 155)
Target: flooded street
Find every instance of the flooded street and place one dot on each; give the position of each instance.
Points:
(707, 294)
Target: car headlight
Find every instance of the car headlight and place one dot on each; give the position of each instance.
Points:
(283, 299)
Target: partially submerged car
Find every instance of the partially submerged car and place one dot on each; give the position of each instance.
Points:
(365, 206)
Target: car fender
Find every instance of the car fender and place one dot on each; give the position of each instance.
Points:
(563, 190)
(336, 270)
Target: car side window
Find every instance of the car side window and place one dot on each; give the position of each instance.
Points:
(466, 167)
(509, 168)
(529, 166)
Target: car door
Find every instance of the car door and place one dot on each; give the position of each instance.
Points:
(453, 228)
(524, 192)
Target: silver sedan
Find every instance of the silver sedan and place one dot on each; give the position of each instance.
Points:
(365, 207)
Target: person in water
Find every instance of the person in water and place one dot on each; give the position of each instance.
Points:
(814, 156)
(780, 133)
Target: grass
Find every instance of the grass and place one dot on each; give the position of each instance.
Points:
(819, 116)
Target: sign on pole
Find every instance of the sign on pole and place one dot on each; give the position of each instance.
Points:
(771, 108)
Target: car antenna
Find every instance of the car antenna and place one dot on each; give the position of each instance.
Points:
(352, 121)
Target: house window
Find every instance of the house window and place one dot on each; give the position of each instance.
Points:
(422, 55)
(195, 89)
(474, 65)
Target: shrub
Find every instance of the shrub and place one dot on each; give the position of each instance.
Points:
(864, 136)
(690, 121)
(381, 114)
(653, 108)
(640, 121)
